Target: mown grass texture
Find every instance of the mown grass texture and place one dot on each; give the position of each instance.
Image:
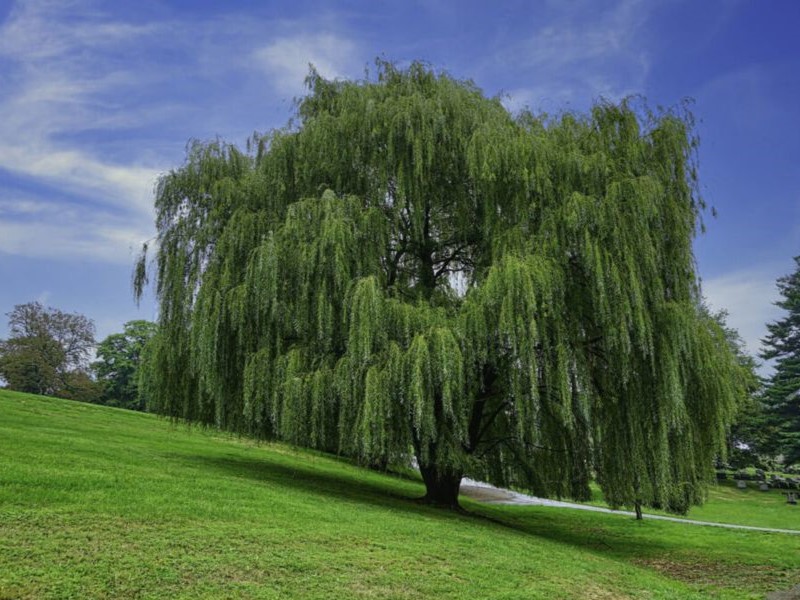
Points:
(105, 503)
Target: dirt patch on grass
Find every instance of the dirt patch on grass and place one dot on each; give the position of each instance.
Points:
(597, 593)
(761, 578)
(792, 594)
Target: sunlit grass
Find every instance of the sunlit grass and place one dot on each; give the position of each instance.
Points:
(727, 504)
(105, 503)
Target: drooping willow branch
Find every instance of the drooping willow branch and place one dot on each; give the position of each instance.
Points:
(349, 282)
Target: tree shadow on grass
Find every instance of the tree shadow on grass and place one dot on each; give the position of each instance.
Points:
(615, 536)
(650, 544)
(380, 489)
(619, 538)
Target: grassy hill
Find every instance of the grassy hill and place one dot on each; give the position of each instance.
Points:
(98, 502)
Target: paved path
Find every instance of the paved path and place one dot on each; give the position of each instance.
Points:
(484, 492)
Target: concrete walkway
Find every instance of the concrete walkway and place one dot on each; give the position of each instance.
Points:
(483, 492)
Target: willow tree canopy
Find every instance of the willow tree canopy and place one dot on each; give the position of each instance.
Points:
(410, 270)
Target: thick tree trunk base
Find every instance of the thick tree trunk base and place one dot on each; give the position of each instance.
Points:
(441, 487)
(638, 508)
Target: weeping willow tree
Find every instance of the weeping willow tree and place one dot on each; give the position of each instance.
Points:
(409, 271)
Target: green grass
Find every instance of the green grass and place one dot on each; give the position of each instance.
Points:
(727, 504)
(103, 503)
(747, 507)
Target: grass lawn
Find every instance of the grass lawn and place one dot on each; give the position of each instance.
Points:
(727, 504)
(98, 502)
(747, 507)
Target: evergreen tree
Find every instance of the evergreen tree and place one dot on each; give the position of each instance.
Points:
(750, 429)
(783, 390)
(409, 270)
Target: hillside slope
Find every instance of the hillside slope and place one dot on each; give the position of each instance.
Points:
(104, 503)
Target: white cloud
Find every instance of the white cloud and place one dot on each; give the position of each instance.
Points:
(70, 236)
(59, 86)
(86, 98)
(286, 59)
(748, 295)
(63, 230)
(129, 187)
(582, 54)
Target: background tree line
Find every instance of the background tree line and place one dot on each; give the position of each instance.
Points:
(49, 352)
(766, 432)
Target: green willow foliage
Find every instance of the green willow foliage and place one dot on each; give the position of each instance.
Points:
(410, 270)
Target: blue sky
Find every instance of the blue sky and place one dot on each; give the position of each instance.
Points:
(98, 98)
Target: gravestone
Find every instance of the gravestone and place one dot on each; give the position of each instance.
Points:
(791, 498)
(741, 484)
(763, 486)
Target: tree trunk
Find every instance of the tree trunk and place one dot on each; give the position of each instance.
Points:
(441, 486)
(637, 504)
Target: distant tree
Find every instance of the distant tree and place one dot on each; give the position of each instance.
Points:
(782, 344)
(44, 350)
(79, 385)
(750, 429)
(117, 365)
(31, 364)
(411, 270)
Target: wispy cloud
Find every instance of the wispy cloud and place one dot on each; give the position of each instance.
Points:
(65, 230)
(88, 102)
(748, 296)
(584, 52)
(286, 59)
(60, 83)
(104, 242)
(756, 88)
